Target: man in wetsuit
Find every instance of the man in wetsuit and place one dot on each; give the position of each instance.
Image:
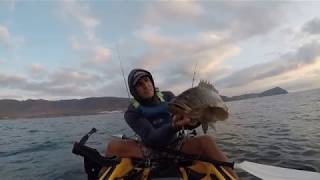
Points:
(149, 117)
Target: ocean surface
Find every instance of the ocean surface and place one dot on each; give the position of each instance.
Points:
(282, 130)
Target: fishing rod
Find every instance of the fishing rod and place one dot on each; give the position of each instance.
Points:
(194, 73)
(122, 71)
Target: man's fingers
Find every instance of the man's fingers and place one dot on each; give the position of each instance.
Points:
(179, 120)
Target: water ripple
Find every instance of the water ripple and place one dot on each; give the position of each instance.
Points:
(35, 147)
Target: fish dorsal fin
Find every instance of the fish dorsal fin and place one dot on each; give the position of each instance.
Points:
(208, 85)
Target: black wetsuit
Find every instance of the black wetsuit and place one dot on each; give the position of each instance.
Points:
(154, 130)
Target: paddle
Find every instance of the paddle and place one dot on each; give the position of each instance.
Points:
(265, 172)
(268, 172)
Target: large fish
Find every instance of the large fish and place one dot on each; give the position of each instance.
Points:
(202, 104)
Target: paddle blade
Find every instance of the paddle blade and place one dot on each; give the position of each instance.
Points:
(268, 172)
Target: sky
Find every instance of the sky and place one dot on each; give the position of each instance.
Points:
(78, 49)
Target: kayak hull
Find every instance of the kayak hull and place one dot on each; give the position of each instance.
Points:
(165, 170)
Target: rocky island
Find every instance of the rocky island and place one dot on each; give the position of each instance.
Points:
(270, 92)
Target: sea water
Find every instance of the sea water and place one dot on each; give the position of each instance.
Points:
(282, 130)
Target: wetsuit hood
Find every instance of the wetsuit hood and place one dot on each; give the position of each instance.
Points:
(134, 76)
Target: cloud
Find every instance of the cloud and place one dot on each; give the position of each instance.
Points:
(12, 4)
(175, 54)
(2, 60)
(312, 27)
(116, 88)
(94, 52)
(173, 38)
(10, 95)
(11, 81)
(172, 59)
(102, 54)
(81, 12)
(186, 11)
(72, 77)
(217, 27)
(247, 19)
(8, 40)
(303, 78)
(293, 37)
(241, 20)
(304, 59)
(36, 68)
(5, 36)
(64, 82)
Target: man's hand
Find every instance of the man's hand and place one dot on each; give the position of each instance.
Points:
(178, 121)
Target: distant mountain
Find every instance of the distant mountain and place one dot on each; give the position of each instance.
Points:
(270, 92)
(43, 108)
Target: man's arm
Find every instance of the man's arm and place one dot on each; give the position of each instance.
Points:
(149, 135)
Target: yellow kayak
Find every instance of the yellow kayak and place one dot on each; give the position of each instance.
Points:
(166, 169)
(177, 166)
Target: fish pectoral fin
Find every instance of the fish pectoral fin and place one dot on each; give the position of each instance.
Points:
(220, 113)
(212, 126)
(193, 123)
(195, 115)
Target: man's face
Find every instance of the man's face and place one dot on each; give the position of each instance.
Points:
(144, 88)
